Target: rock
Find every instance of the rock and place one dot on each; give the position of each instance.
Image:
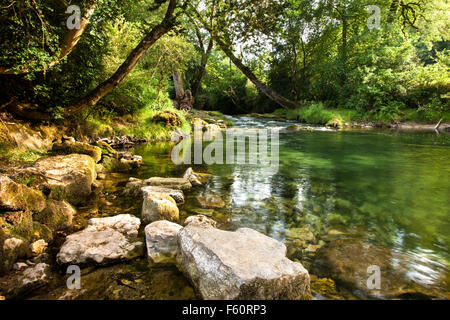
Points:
(57, 215)
(303, 234)
(107, 150)
(177, 195)
(294, 128)
(191, 176)
(210, 201)
(68, 177)
(161, 239)
(159, 206)
(312, 248)
(69, 147)
(105, 240)
(38, 247)
(125, 161)
(134, 188)
(347, 260)
(15, 196)
(18, 266)
(167, 119)
(12, 249)
(32, 278)
(173, 183)
(239, 265)
(200, 220)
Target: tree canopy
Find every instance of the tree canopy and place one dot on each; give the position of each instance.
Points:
(378, 57)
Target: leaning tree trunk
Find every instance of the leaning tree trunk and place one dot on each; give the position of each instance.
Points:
(70, 41)
(274, 96)
(271, 94)
(107, 86)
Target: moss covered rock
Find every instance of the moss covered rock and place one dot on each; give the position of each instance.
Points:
(57, 215)
(15, 196)
(65, 177)
(69, 147)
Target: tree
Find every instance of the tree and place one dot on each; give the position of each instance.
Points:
(107, 86)
(227, 49)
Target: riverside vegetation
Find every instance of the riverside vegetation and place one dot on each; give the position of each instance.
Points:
(88, 118)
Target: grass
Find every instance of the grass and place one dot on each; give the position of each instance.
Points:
(11, 153)
(316, 113)
(139, 125)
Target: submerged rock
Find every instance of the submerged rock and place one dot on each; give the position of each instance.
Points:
(210, 201)
(302, 234)
(161, 240)
(158, 206)
(239, 265)
(105, 240)
(347, 262)
(15, 196)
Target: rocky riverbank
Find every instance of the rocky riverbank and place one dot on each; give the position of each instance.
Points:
(162, 237)
(39, 203)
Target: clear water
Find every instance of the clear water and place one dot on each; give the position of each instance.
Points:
(389, 188)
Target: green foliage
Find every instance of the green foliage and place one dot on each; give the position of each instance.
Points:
(315, 113)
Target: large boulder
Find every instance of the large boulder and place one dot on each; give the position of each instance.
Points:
(174, 183)
(69, 147)
(239, 265)
(57, 215)
(105, 240)
(15, 196)
(161, 239)
(66, 177)
(347, 261)
(159, 206)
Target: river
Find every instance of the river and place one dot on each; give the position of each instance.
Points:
(386, 188)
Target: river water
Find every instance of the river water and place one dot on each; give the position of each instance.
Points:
(389, 189)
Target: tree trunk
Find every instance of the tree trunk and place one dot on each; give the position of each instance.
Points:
(178, 84)
(70, 41)
(274, 96)
(202, 69)
(107, 86)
